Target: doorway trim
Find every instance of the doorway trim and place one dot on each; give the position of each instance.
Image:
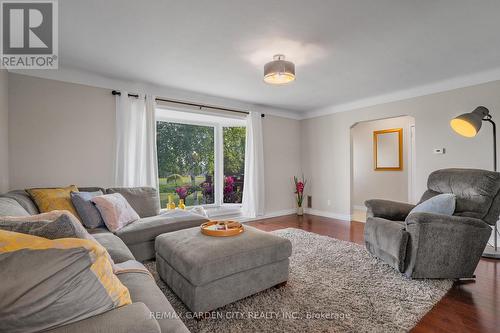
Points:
(410, 138)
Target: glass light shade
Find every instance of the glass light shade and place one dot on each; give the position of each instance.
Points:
(279, 71)
(279, 78)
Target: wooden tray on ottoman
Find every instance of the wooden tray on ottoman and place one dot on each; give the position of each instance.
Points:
(222, 228)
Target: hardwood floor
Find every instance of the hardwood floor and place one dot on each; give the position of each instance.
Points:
(472, 306)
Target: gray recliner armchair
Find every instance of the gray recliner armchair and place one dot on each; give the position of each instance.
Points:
(425, 245)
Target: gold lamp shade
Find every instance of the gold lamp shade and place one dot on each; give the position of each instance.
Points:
(469, 124)
(279, 71)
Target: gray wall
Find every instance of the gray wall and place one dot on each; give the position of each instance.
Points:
(367, 183)
(4, 147)
(63, 133)
(59, 133)
(326, 143)
(281, 161)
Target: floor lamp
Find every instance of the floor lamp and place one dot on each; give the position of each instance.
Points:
(468, 125)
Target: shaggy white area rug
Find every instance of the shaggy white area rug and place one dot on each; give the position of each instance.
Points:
(334, 286)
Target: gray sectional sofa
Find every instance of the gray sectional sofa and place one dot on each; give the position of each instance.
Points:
(138, 236)
(150, 310)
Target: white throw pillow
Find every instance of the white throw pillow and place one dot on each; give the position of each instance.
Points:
(443, 204)
(115, 211)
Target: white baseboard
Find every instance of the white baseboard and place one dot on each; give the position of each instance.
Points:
(360, 208)
(270, 215)
(338, 216)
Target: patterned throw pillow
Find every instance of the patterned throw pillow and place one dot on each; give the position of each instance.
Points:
(115, 211)
(54, 282)
(48, 199)
(89, 214)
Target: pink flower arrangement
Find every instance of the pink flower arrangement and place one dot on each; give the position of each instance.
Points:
(300, 184)
(182, 192)
(228, 185)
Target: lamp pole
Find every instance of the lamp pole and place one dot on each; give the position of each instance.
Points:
(495, 254)
(488, 119)
(468, 125)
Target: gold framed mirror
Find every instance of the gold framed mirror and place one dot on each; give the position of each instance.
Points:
(388, 149)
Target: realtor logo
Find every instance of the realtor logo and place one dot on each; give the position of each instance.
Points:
(29, 34)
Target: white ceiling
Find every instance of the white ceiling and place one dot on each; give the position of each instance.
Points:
(344, 50)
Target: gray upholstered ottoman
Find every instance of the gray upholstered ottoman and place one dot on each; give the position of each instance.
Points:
(209, 272)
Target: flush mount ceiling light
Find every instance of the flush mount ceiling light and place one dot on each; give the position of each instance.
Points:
(279, 71)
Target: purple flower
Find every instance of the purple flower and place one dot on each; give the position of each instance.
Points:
(207, 188)
(182, 192)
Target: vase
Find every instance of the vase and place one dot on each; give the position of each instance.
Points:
(300, 211)
(171, 203)
(181, 204)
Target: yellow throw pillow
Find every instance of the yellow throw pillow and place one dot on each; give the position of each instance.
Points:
(49, 199)
(55, 282)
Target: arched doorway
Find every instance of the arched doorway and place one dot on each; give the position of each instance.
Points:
(370, 182)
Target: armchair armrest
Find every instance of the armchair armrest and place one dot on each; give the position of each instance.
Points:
(391, 210)
(443, 246)
(458, 222)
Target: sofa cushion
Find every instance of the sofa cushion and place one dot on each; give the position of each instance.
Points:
(144, 200)
(24, 199)
(48, 199)
(202, 259)
(91, 218)
(387, 240)
(475, 190)
(54, 282)
(115, 211)
(143, 288)
(91, 189)
(132, 318)
(148, 228)
(10, 207)
(118, 251)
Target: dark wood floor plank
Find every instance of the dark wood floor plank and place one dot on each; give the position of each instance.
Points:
(472, 306)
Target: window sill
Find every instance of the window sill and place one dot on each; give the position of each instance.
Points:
(225, 211)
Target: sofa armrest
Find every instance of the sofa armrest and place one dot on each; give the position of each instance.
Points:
(391, 210)
(132, 318)
(443, 246)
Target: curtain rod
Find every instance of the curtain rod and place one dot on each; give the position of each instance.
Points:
(116, 92)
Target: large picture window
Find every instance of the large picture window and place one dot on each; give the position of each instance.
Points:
(201, 159)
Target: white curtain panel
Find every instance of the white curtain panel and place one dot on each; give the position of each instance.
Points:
(136, 161)
(253, 187)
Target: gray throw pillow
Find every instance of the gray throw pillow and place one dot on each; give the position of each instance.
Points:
(10, 207)
(443, 204)
(62, 227)
(89, 214)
